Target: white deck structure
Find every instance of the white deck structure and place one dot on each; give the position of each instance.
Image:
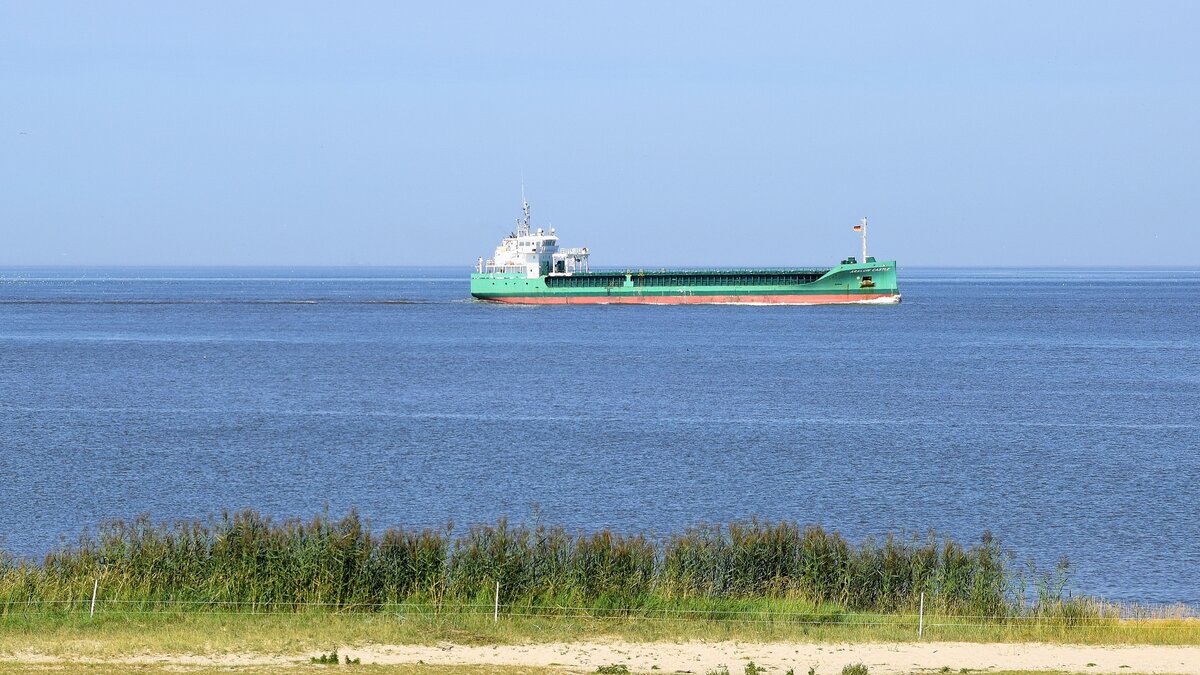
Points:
(533, 253)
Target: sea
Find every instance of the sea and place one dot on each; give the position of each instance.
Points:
(1053, 408)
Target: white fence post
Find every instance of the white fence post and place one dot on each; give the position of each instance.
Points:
(95, 587)
(496, 615)
(921, 620)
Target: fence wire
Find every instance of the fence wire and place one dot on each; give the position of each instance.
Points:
(1174, 618)
(1156, 615)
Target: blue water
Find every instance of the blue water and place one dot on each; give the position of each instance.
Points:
(1055, 408)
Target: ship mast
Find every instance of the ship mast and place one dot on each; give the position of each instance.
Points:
(523, 223)
(863, 226)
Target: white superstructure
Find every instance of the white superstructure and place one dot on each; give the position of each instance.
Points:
(533, 253)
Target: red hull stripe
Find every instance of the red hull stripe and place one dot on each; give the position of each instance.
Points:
(830, 299)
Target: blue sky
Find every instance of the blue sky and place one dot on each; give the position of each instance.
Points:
(1040, 133)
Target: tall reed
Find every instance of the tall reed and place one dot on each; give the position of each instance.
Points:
(548, 565)
(247, 560)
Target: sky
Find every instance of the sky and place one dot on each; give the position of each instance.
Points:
(684, 133)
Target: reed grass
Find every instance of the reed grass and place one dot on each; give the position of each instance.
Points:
(752, 571)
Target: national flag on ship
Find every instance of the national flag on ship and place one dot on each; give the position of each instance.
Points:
(858, 228)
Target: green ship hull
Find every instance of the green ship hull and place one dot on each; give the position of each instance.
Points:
(847, 283)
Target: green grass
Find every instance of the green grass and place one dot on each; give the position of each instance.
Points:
(114, 634)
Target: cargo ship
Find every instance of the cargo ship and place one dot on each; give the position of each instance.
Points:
(529, 267)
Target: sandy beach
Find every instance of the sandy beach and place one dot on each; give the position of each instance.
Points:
(701, 657)
(697, 657)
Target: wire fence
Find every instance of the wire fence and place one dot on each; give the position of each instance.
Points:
(1171, 618)
(1183, 612)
